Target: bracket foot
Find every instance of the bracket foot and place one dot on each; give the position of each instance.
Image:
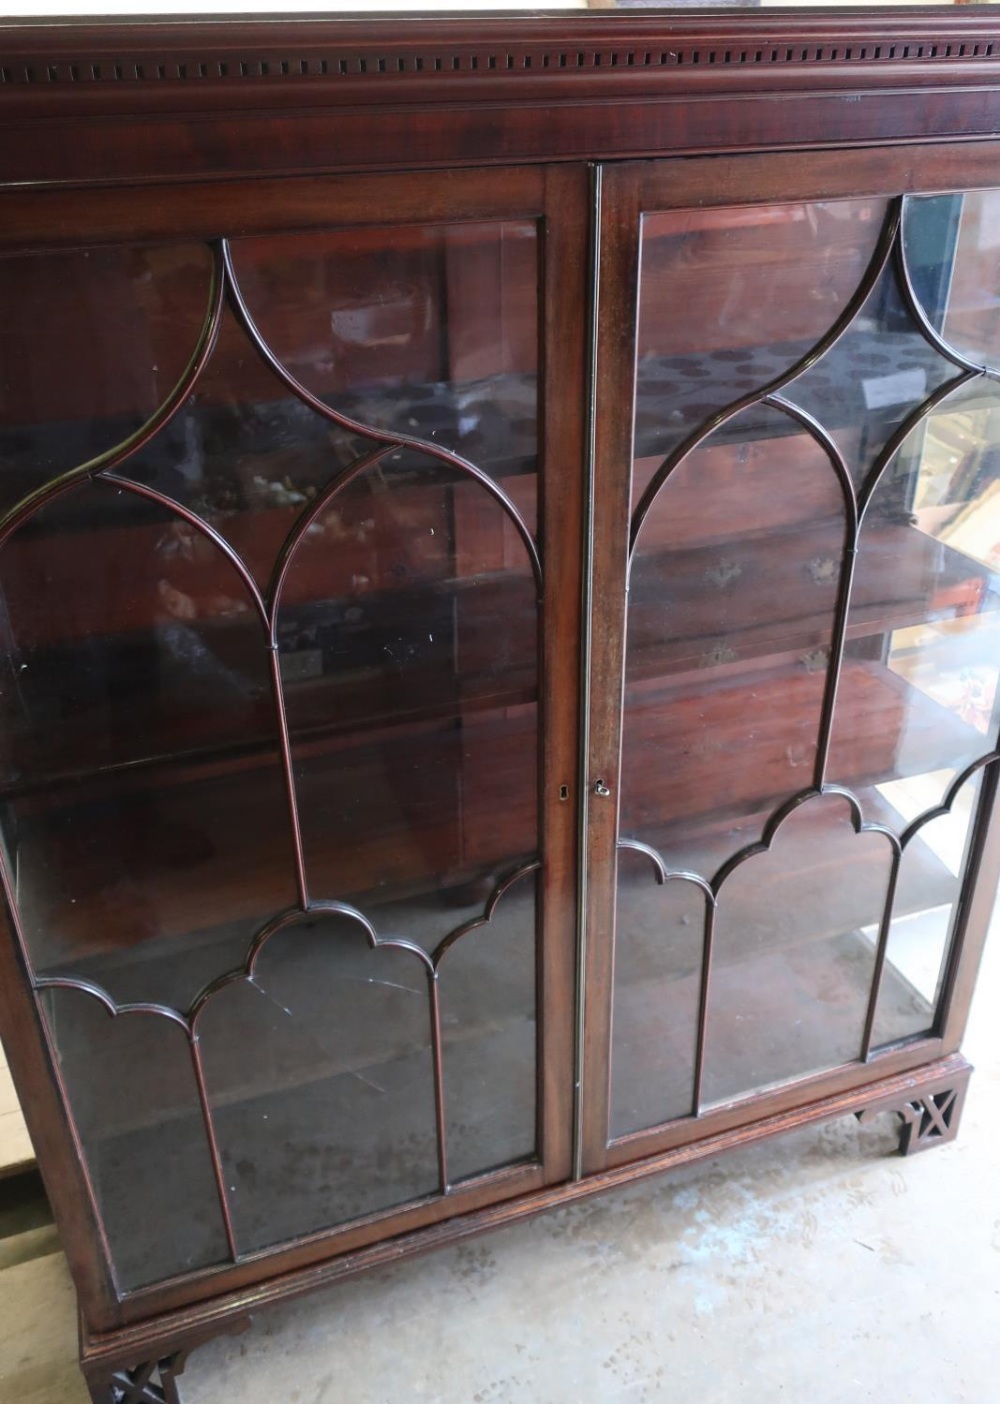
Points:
(930, 1115)
(152, 1382)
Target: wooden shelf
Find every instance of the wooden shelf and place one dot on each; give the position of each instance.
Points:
(742, 743)
(190, 735)
(395, 813)
(778, 593)
(401, 811)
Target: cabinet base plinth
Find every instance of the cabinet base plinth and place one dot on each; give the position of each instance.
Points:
(931, 1116)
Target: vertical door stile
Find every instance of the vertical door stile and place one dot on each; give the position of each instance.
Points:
(586, 642)
(617, 310)
(561, 487)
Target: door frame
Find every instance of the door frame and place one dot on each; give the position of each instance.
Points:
(556, 199)
(627, 190)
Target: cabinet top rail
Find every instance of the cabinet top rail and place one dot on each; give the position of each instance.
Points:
(613, 48)
(390, 91)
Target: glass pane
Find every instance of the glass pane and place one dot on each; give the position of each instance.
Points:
(488, 1017)
(951, 244)
(659, 939)
(361, 324)
(93, 343)
(140, 774)
(243, 453)
(263, 665)
(758, 285)
(925, 902)
(791, 967)
(136, 1108)
(731, 600)
(410, 687)
(928, 556)
(321, 1082)
(877, 374)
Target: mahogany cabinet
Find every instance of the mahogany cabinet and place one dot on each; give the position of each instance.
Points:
(500, 567)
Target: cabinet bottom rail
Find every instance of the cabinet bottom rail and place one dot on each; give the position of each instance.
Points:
(140, 1363)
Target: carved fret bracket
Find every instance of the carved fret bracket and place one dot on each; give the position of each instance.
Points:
(153, 1382)
(931, 1115)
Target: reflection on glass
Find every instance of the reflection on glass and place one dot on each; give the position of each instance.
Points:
(876, 375)
(925, 902)
(952, 247)
(759, 286)
(384, 625)
(93, 343)
(927, 561)
(361, 326)
(135, 1104)
(243, 452)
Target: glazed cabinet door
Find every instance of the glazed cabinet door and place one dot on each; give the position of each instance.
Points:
(289, 562)
(793, 714)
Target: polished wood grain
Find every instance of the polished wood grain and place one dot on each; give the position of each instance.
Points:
(572, 87)
(562, 512)
(616, 321)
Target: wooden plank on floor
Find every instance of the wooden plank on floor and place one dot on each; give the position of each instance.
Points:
(16, 1153)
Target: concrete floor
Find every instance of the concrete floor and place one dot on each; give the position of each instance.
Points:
(815, 1268)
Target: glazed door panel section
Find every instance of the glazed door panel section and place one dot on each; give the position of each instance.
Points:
(808, 679)
(275, 764)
